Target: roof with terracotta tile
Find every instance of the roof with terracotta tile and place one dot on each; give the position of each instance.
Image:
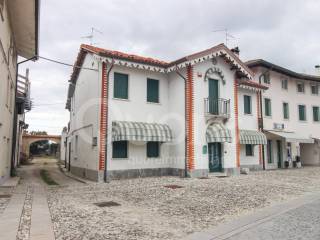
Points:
(124, 56)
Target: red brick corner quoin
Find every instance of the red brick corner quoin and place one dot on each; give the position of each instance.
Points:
(236, 120)
(190, 118)
(103, 118)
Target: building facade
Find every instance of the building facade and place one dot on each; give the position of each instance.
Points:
(291, 115)
(132, 116)
(18, 37)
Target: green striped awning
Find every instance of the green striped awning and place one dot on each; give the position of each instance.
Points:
(252, 137)
(140, 131)
(218, 133)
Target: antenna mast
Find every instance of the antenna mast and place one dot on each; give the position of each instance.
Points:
(91, 36)
(228, 36)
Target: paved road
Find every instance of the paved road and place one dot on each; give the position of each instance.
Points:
(294, 220)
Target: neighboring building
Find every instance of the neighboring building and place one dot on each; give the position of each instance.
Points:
(63, 146)
(132, 116)
(291, 114)
(18, 37)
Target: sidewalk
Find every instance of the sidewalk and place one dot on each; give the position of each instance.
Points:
(274, 222)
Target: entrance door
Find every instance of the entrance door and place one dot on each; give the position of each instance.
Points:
(215, 164)
(279, 153)
(213, 96)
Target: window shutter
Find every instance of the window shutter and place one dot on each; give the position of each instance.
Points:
(267, 106)
(120, 87)
(152, 90)
(153, 149)
(302, 114)
(316, 114)
(247, 104)
(120, 149)
(285, 111)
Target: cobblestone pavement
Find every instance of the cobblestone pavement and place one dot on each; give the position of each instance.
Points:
(147, 208)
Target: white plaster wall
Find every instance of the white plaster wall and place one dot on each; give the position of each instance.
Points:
(201, 91)
(137, 109)
(307, 128)
(85, 116)
(177, 119)
(7, 70)
(63, 146)
(249, 160)
(279, 95)
(310, 154)
(248, 122)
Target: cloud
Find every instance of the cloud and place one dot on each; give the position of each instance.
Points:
(284, 32)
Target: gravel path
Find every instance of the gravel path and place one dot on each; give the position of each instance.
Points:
(151, 211)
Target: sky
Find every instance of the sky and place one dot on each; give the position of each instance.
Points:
(284, 32)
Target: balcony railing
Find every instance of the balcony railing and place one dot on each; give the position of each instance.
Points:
(217, 107)
(23, 90)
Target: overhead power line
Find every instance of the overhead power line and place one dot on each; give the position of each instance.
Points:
(66, 64)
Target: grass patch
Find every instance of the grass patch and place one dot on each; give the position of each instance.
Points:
(47, 178)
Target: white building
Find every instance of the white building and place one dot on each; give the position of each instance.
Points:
(18, 37)
(133, 116)
(291, 114)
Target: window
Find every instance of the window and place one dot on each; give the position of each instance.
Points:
(300, 87)
(249, 150)
(316, 114)
(266, 78)
(314, 89)
(152, 90)
(120, 149)
(284, 84)
(153, 149)
(269, 151)
(285, 107)
(302, 112)
(247, 104)
(120, 88)
(267, 107)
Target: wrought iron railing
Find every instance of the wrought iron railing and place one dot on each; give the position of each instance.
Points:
(217, 107)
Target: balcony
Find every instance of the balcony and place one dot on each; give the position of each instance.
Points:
(23, 93)
(217, 108)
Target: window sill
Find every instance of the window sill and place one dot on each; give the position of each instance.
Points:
(120, 159)
(248, 114)
(154, 103)
(303, 121)
(121, 99)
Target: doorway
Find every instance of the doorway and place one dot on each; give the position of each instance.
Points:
(279, 153)
(215, 162)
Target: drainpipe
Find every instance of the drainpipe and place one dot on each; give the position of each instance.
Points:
(185, 128)
(106, 152)
(15, 118)
(261, 114)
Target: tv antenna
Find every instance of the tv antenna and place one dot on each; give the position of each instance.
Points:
(228, 36)
(91, 36)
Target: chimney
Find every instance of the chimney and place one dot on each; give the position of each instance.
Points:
(236, 51)
(317, 67)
